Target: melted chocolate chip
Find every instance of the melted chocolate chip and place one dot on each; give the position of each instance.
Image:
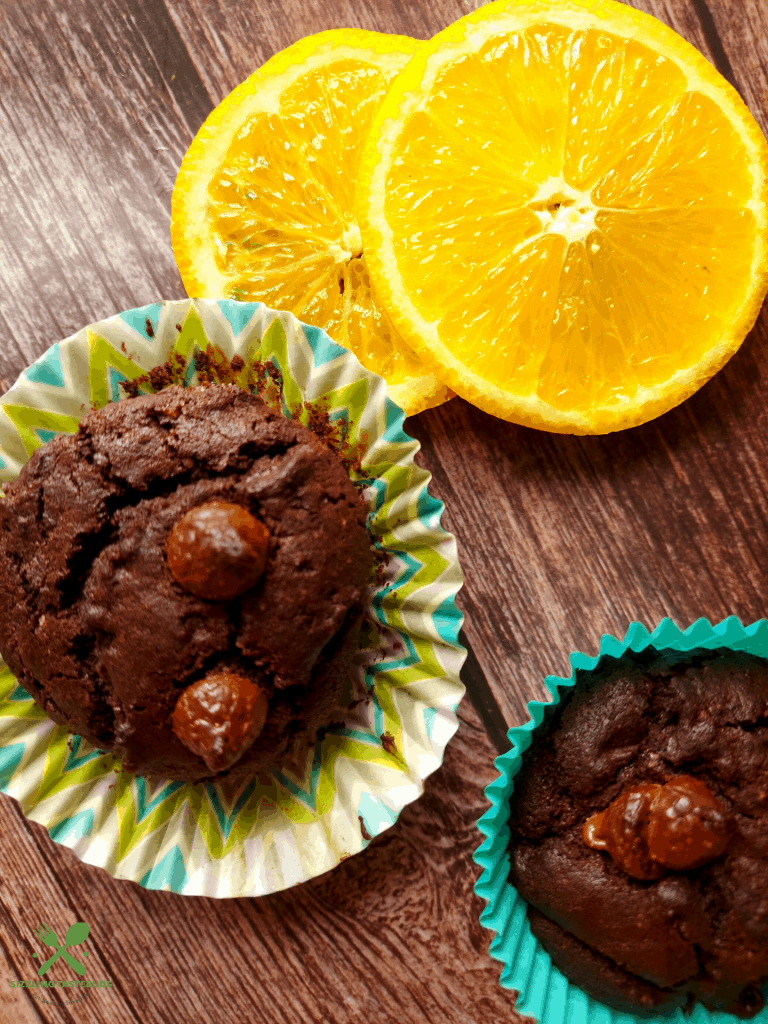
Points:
(217, 551)
(687, 826)
(219, 717)
(620, 831)
(651, 828)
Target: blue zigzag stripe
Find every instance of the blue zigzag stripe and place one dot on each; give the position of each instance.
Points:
(73, 761)
(10, 757)
(226, 821)
(76, 827)
(137, 318)
(169, 871)
(143, 808)
(48, 369)
(239, 314)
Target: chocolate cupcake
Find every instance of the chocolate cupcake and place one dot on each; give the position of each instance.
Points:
(639, 831)
(636, 832)
(182, 581)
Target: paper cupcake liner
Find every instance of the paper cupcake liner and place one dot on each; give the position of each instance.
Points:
(544, 992)
(285, 827)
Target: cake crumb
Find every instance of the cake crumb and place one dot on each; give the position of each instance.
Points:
(388, 742)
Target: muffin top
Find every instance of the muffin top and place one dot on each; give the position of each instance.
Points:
(662, 899)
(99, 629)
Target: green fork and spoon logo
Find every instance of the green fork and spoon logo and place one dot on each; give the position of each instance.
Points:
(76, 934)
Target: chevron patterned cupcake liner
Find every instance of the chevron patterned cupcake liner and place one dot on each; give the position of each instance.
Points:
(399, 713)
(544, 993)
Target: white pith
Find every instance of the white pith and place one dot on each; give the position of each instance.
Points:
(562, 210)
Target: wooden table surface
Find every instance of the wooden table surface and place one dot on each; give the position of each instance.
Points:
(562, 538)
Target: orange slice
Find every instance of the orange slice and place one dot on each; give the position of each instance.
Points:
(264, 203)
(563, 208)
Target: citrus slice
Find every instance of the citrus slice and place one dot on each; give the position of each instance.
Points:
(264, 203)
(563, 206)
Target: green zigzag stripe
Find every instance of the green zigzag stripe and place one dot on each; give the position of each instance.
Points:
(352, 397)
(269, 794)
(56, 779)
(274, 346)
(7, 682)
(102, 356)
(192, 336)
(27, 420)
(131, 830)
(27, 711)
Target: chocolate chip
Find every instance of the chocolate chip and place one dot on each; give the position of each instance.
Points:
(217, 551)
(687, 825)
(219, 717)
(679, 825)
(620, 831)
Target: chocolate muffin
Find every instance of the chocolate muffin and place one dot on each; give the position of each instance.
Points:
(639, 831)
(182, 581)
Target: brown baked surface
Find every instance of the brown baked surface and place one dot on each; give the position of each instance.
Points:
(700, 934)
(97, 630)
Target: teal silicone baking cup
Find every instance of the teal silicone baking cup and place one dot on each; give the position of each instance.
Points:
(544, 993)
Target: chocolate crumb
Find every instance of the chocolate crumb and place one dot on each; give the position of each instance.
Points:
(264, 378)
(388, 742)
(381, 560)
(149, 328)
(161, 376)
(364, 831)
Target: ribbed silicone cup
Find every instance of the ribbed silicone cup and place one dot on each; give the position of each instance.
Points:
(544, 992)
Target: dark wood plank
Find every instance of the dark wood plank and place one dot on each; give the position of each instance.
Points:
(97, 106)
(742, 27)
(228, 40)
(392, 935)
(572, 537)
(73, 244)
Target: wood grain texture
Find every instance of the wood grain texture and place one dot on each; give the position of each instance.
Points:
(91, 141)
(741, 26)
(391, 935)
(561, 538)
(229, 40)
(572, 537)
